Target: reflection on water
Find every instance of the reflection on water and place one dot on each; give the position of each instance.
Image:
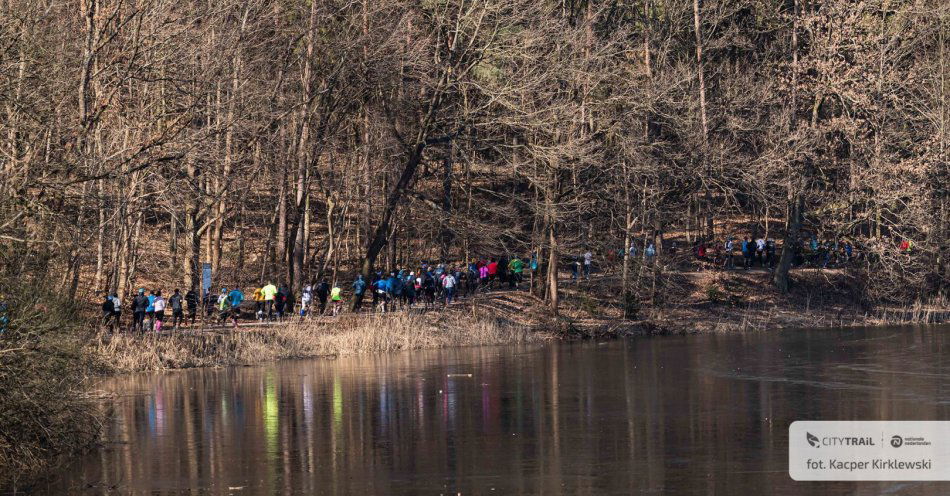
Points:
(676, 415)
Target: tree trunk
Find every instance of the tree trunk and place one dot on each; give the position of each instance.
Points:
(702, 112)
(280, 255)
(446, 234)
(796, 200)
(781, 278)
(627, 239)
(552, 268)
(378, 240)
(101, 235)
(173, 236)
(191, 263)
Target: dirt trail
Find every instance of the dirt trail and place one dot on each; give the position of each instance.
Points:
(697, 301)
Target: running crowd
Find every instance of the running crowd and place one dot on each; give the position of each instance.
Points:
(810, 251)
(428, 286)
(431, 286)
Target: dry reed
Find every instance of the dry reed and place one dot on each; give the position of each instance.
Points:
(351, 334)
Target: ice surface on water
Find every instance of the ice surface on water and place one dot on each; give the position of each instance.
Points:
(674, 415)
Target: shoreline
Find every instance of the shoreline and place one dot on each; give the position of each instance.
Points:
(346, 335)
(463, 324)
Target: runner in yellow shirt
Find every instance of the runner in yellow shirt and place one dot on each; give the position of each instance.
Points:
(269, 291)
(259, 303)
(336, 297)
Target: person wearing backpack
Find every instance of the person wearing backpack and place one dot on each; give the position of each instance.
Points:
(428, 288)
(178, 311)
(191, 300)
(108, 308)
(323, 292)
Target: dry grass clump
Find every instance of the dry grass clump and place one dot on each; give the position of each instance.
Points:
(350, 334)
(46, 416)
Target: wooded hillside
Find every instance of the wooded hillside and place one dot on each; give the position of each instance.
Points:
(290, 139)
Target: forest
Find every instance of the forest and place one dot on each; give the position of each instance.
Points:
(290, 140)
(287, 141)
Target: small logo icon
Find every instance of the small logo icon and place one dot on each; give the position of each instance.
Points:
(897, 441)
(812, 439)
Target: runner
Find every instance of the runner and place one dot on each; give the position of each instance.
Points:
(391, 285)
(280, 302)
(374, 288)
(747, 250)
(409, 289)
(270, 292)
(428, 288)
(259, 303)
(158, 307)
(323, 292)
(117, 311)
(4, 314)
(770, 252)
(516, 266)
(150, 311)
(380, 295)
(588, 261)
(396, 286)
(492, 273)
(483, 277)
(471, 279)
(191, 300)
(178, 311)
(728, 263)
(306, 296)
(448, 283)
(235, 297)
(336, 296)
(210, 303)
(224, 306)
(139, 309)
(502, 271)
(760, 251)
(359, 288)
(650, 252)
(108, 308)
